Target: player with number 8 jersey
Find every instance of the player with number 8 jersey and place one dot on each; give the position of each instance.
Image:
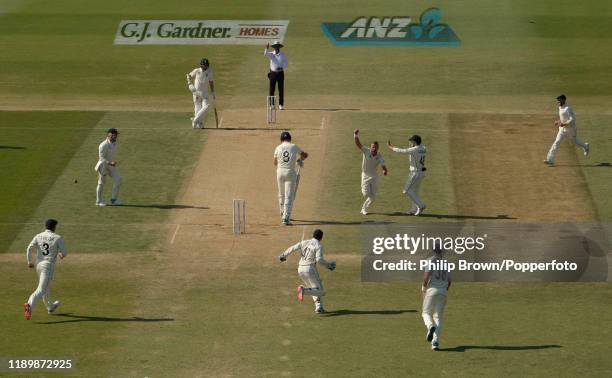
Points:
(49, 246)
(286, 156)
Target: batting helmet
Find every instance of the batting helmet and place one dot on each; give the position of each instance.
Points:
(204, 62)
(285, 136)
(416, 139)
(561, 98)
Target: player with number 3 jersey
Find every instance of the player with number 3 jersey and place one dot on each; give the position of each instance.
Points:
(417, 172)
(49, 246)
(286, 156)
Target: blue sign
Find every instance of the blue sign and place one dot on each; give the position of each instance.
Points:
(392, 31)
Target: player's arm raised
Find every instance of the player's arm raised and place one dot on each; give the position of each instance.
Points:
(357, 141)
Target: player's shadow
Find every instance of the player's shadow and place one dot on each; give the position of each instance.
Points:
(598, 165)
(165, 207)
(73, 318)
(304, 222)
(325, 109)
(454, 216)
(463, 348)
(12, 148)
(365, 312)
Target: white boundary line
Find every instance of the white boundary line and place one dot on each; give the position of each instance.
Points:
(175, 233)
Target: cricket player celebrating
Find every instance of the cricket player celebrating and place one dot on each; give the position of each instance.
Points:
(107, 166)
(311, 252)
(436, 283)
(567, 129)
(286, 156)
(203, 77)
(417, 172)
(49, 245)
(369, 173)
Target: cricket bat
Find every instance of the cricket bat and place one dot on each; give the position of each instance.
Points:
(216, 117)
(297, 181)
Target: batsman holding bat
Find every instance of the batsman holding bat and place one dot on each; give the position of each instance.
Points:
(198, 82)
(311, 252)
(286, 157)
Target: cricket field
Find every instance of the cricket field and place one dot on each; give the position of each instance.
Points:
(161, 287)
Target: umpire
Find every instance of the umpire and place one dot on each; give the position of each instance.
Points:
(278, 64)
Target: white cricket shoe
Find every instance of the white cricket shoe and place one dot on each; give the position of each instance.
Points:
(586, 150)
(435, 346)
(281, 107)
(410, 212)
(548, 162)
(101, 203)
(116, 202)
(54, 307)
(419, 210)
(363, 212)
(319, 310)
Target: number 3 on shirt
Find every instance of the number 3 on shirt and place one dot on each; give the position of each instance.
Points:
(46, 249)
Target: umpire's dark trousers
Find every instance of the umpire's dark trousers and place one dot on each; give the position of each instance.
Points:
(277, 77)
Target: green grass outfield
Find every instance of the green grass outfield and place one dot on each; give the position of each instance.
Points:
(59, 55)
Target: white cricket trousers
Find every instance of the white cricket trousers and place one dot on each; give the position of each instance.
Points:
(286, 179)
(200, 107)
(369, 187)
(411, 188)
(564, 132)
(45, 270)
(433, 309)
(312, 282)
(113, 172)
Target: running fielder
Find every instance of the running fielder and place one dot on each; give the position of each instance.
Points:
(417, 172)
(311, 252)
(567, 129)
(286, 156)
(49, 245)
(107, 166)
(435, 288)
(203, 77)
(369, 173)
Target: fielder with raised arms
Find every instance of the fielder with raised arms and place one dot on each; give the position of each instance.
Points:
(369, 171)
(435, 289)
(417, 172)
(107, 166)
(311, 252)
(567, 129)
(49, 246)
(286, 156)
(203, 77)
